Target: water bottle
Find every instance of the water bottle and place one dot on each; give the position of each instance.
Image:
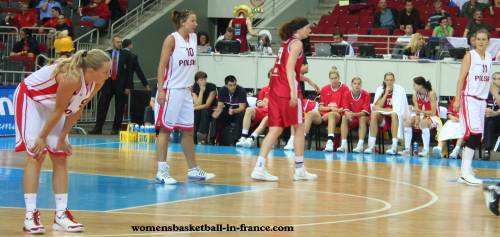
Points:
(415, 149)
(136, 128)
(141, 130)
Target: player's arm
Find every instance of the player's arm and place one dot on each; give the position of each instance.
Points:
(310, 82)
(433, 99)
(295, 50)
(461, 79)
(415, 105)
(166, 52)
(250, 27)
(379, 104)
(241, 108)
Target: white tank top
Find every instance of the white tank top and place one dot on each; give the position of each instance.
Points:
(478, 80)
(181, 68)
(42, 88)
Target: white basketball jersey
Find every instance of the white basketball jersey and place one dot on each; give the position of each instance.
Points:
(478, 80)
(42, 88)
(182, 64)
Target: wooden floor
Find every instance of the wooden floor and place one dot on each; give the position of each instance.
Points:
(350, 198)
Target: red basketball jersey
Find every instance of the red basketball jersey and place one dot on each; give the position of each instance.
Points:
(332, 97)
(451, 110)
(279, 81)
(361, 104)
(263, 93)
(388, 102)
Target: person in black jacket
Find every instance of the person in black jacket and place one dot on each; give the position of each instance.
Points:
(386, 17)
(27, 45)
(117, 85)
(409, 16)
(136, 67)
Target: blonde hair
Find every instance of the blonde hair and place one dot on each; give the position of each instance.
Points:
(334, 70)
(82, 60)
(413, 45)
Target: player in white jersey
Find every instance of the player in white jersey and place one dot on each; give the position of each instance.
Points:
(176, 72)
(472, 90)
(47, 105)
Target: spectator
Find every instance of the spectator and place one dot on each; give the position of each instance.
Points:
(409, 16)
(338, 38)
(264, 44)
(386, 17)
(63, 44)
(26, 46)
(149, 114)
(116, 86)
(98, 13)
(135, 66)
(242, 25)
(115, 9)
(415, 49)
(230, 107)
(204, 101)
(56, 13)
(45, 9)
(255, 117)
(228, 35)
(492, 123)
(26, 18)
(469, 9)
(444, 29)
(62, 24)
(203, 43)
(477, 24)
(496, 3)
(403, 41)
(435, 17)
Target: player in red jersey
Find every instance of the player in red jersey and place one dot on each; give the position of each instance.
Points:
(424, 115)
(285, 107)
(330, 105)
(356, 106)
(255, 117)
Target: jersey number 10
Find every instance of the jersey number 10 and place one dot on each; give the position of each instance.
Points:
(190, 52)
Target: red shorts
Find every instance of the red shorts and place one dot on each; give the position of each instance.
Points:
(282, 115)
(260, 113)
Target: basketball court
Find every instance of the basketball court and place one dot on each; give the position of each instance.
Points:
(112, 189)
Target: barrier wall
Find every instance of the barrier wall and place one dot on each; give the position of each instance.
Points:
(7, 125)
(251, 71)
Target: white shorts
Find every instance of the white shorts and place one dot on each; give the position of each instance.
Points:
(450, 131)
(30, 117)
(177, 113)
(472, 115)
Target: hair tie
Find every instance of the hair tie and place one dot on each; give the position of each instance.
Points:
(84, 54)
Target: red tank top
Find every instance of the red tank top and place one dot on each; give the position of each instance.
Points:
(388, 102)
(279, 81)
(424, 102)
(240, 32)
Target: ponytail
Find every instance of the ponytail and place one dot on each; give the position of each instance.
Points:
(290, 27)
(179, 17)
(80, 61)
(422, 82)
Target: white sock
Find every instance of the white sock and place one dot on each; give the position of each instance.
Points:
(244, 131)
(299, 162)
(344, 143)
(61, 201)
(372, 141)
(162, 165)
(331, 134)
(30, 201)
(408, 137)
(394, 143)
(426, 137)
(261, 162)
(361, 142)
(290, 141)
(254, 135)
(467, 155)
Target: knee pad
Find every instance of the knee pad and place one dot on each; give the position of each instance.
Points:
(474, 141)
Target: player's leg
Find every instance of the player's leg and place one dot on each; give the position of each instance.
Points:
(394, 130)
(31, 177)
(166, 113)
(408, 134)
(332, 118)
(363, 127)
(375, 120)
(425, 125)
(300, 170)
(247, 122)
(344, 131)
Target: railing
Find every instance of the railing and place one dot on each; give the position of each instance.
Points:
(42, 60)
(87, 41)
(8, 37)
(133, 18)
(12, 77)
(269, 8)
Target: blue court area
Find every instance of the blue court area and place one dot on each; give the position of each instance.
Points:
(105, 193)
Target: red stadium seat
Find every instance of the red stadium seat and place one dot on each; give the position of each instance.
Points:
(398, 32)
(427, 33)
(366, 21)
(460, 21)
(380, 31)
